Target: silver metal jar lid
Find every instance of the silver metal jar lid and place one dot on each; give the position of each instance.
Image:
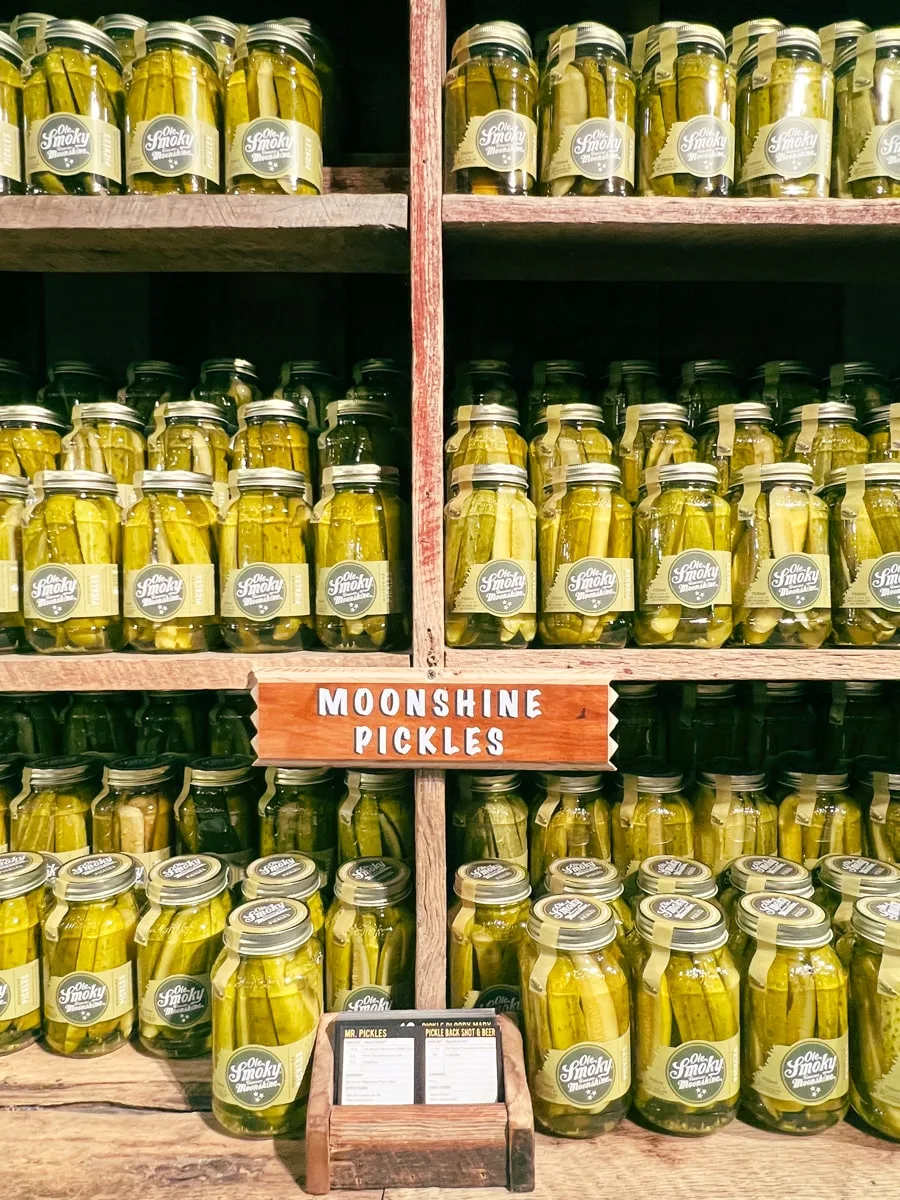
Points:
(274, 479)
(874, 915)
(857, 875)
(799, 922)
(95, 877)
(268, 927)
(361, 474)
(261, 410)
(826, 410)
(97, 482)
(273, 31)
(745, 411)
(30, 414)
(575, 923)
(236, 366)
(497, 414)
(184, 35)
(89, 35)
(21, 872)
(372, 882)
(794, 37)
(767, 873)
(662, 413)
(578, 783)
(492, 881)
(493, 33)
(174, 481)
(587, 33)
(221, 771)
(295, 876)
(571, 412)
(105, 410)
(194, 411)
(697, 925)
(594, 877)
(682, 876)
(499, 473)
(187, 879)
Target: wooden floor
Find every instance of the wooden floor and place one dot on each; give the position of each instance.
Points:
(128, 1126)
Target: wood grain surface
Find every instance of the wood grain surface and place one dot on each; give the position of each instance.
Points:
(431, 890)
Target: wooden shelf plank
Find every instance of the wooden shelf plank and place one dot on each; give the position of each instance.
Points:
(128, 672)
(344, 232)
(650, 665)
(670, 239)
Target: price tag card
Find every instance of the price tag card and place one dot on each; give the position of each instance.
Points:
(462, 1060)
(375, 1061)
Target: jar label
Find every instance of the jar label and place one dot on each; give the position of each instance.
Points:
(588, 1076)
(592, 586)
(161, 591)
(808, 1072)
(353, 590)
(264, 591)
(68, 145)
(792, 148)
(502, 141)
(178, 1002)
(695, 1073)
(9, 587)
(257, 1077)
(272, 148)
(880, 155)
(20, 990)
(595, 149)
(796, 582)
(702, 147)
(83, 998)
(169, 146)
(502, 998)
(367, 999)
(876, 584)
(693, 579)
(502, 587)
(10, 152)
(55, 593)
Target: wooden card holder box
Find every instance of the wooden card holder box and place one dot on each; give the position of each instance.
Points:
(450, 1146)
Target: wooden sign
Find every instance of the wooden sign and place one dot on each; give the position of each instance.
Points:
(489, 724)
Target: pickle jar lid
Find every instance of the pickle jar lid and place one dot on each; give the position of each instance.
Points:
(555, 366)
(684, 34)
(76, 481)
(624, 367)
(766, 873)
(234, 366)
(662, 413)
(570, 412)
(600, 474)
(588, 876)
(874, 915)
(217, 28)
(861, 687)
(304, 366)
(883, 472)
(14, 486)
(715, 691)
(273, 31)
(193, 411)
(508, 782)
(174, 481)
(261, 410)
(839, 372)
(379, 781)
(301, 776)
(21, 872)
(311, 32)
(288, 875)
(352, 405)
(221, 771)
(55, 771)
(30, 414)
(11, 49)
(750, 781)
(798, 922)
(891, 776)
(877, 416)
(689, 473)
(73, 366)
(372, 882)
(785, 688)
(492, 33)
(704, 368)
(578, 782)
(360, 475)
(484, 414)
(141, 771)
(663, 784)
(637, 691)
(274, 479)
(186, 879)
(183, 35)
(107, 410)
(782, 367)
(153, 366)
(587, 33)
(88, 35)
(835, 781)
(888, 38)
(696, 924)
(492, 881)
(826, 410)
(115, 23)
(369, 366)
(790, 474)
(681, 876)
(745, 411)
(499, 473)
(28, 21)
(571, 923)
(754, 28)
(792, 37)
(271, 926)
(96, 877)
(855, 875)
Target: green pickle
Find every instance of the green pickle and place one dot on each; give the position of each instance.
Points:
(361, 544)
(22, 878)
(733, 816)
(587, 103)
(861, 384)
(13, 495)
(705, 722)
(107, 438)
(149, 384)
(794, 1005)
(12, 179)
(52, 812)
(289, 876)
(228, 383)
(630, 382)
(299, 813)
(174, 114)
(485, 434)
(687, 1002)
(135, 814)
(217, 814)
(867, 87)
(640, 724)
(736, 436)
(875, 1014)
(706, 385)
(860, 725)
(554, 381)
(650, 816)
(490, 820)
(577, 1014)
(370, 935)
(170, 723)
(824, 437)
(178, 939)
(565, 435)
(30, 440)
(273, 433)
(817, 816)
(71, 551)
(96, 723)
(486, 925)
(122, 28)
(375, 817)
(89, 995)
(74, 103)
(231, 725)
(189, 436)
(568, 818)
(29, 724)
(784, 384)
(651, 435)
(267, 1001)
(359, 431)
(751, 873)
(222, 35)
(490, 134)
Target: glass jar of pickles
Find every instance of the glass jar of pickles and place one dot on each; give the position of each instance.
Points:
(189, 436)
(735, 436)
(273, 433)
(310, 385)
(585, 552)
(217, 813)
(299, 812)
(105, 437)
(864, 523)
(358, 431)
(178, 940)
(69, 383)
(782, 719)
(707, 384)
(485, 381)
(577, 1015)
(370, 938)
(733, 816)
(267, 1001)
(30, 439)
(74, 103)
(751, 873)
(841, 880)
(780, 568)
(22, 878)
(490, 558)
(630, 383)
(375, 816)
(597, 879)
(170, 722)
(361, 544)
(784, 384)
(555, 381)
(706, 722)
(838, 38)
(825, 437)
(174, 113)
(228, 383)
(122, 28)
(289, 876)
(882, 429)
(151, 383)
(25, 28)
(13, 494)
(11, 170)
(265, 555)
(785, 103)
(651, 435)
(860, 725)
(587, 114)
(71, 553)
(874, 1001)
(861, 384)
(486, 925)
(795, 1047)
(326, 68)
(384, 381)
(490, 820)
(273, 115)
(29, 724)
(568, 818)
(817, 816)
(485, 434)
(169, 562)
(880, 792)
(565, 435)
(52, 812)
(135, 812)
(641, 724)
(88, 939)
(865, 73)
(650, 816)
(687, 1054)
(490, 134)
(95, 723)
(222, 36)
(231, 726)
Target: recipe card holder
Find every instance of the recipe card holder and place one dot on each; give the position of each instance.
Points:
(359, 1147)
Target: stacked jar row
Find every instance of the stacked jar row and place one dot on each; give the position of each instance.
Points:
(761, 113)
(675, 1002)
(164, 107)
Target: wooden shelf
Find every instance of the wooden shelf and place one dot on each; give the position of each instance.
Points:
(735, 663)
(135, 1125)
(161, 672)
(671, 239)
